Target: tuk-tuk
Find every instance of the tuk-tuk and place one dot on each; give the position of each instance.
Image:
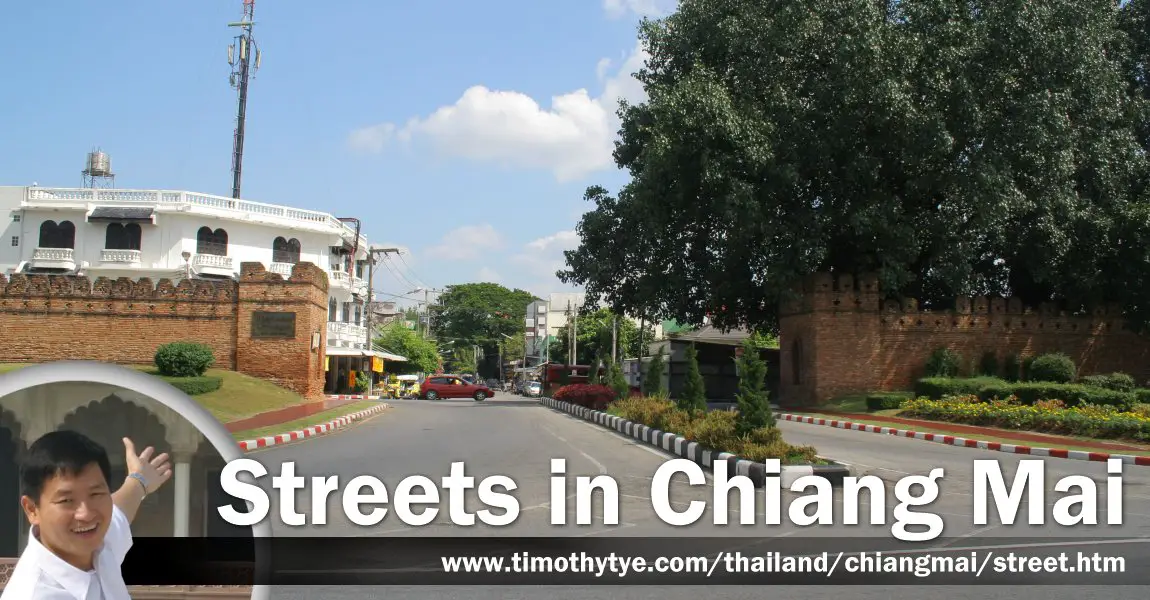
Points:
(407, 386)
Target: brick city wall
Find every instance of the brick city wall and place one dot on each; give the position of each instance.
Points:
(46, 318)
(842, 337)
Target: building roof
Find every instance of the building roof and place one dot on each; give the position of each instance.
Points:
(710, 335)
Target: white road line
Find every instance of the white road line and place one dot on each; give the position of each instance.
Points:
(598, 465)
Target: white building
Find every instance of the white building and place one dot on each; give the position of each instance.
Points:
(547, 319)
(178, 234)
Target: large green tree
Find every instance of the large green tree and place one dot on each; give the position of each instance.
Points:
(593, 336)
(951, 147)
(421, 354)
(479, 314)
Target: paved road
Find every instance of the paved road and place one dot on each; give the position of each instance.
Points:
(518, 438)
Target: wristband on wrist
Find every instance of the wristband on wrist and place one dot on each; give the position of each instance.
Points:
(141, 480)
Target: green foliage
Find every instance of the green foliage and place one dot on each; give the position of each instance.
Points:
(184, 359)
(194, 386)
(1030, 392)
(988, 365)
(593, 337)
(653, 377)
(1054, 367)
(362, 381)
(593, 372)
(753, 398)
(694, 395)
(886, 400)
(1115, 381)
(953, 149)
(422, 355)
(617, 381)
(1012, 368)
(716, 430)
(943, 362)
(479, 314)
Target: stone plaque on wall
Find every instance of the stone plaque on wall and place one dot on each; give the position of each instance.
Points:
(273, 325)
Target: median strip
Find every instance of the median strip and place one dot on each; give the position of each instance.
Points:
(311, 431)
(951, 440)
(693, 451)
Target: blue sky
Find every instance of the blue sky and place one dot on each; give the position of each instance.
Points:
(464, 132)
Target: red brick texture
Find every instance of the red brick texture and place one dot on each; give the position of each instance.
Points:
(45, 318)
(843, 338)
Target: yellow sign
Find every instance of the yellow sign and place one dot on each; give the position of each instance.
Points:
(377, 364)
(327, 363)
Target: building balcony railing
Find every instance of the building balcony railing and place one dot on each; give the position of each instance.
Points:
(54, 258)
(282, 268)
(213, 264)
(339, 279)
(346, 335)
(242, 208)
(124, 257)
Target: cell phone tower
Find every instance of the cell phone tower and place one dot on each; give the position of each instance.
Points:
(240, 57)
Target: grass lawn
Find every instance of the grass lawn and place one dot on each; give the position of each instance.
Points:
(298, 424)
(857, 405)
(240, 395)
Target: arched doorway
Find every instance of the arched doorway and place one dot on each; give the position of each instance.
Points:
(11, 514)
(208, 495)
(107, 422)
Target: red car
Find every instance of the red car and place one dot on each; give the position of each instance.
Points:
(452, 386)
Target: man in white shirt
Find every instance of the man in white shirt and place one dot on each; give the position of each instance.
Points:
(81, 529)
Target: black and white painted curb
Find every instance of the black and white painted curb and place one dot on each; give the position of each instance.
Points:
(676, 444)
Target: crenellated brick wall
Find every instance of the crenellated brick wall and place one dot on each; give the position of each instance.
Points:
(57, 317)
(842, 337)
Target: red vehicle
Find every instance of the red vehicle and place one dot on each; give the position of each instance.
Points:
(453, 386)
(553, 373)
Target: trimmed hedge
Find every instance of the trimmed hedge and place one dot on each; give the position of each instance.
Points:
(988, 388)
(886, 400)
(194, 386)
(1113, 381)
(1045, 416)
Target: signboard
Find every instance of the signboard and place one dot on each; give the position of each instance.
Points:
(376, 364)
(273, 325)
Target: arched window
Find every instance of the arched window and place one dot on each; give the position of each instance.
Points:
(285, 250)
(122, 237)
(57, 235)
(212, 242)
(332, 310)
(796, 362)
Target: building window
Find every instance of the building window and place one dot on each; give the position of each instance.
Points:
(15, 240)
(285, 250)
(212, 242)
(358, 315)
(122, 237)
(332, 310)
(347, 312)
(15, 218)
(53, 235)
(359, 269)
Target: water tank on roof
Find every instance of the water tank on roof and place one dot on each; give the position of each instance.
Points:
(99, 164)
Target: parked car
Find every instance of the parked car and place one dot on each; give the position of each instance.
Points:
(451, 386)
(533, 389)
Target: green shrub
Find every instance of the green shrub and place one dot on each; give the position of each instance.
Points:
(694, 395)
(886, 400)
(184, 359)
(989, 388)
(1026, 364)
(1049, 416)
(1012, 368)
(988, 365)
(194, 386)
(1114, 381)
(1055, 367)
(943, 362)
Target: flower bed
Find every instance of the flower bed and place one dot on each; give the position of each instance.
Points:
(1050, 416)
(714, 430)
(595, 397)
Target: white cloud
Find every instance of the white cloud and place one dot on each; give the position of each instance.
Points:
(572, 138)
(617, 9)
(467, 242)
(487, 274)
(541, 258)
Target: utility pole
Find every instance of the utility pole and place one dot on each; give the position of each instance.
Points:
(614, 336)
(242, 68)
(575, 337)
(371, 252)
